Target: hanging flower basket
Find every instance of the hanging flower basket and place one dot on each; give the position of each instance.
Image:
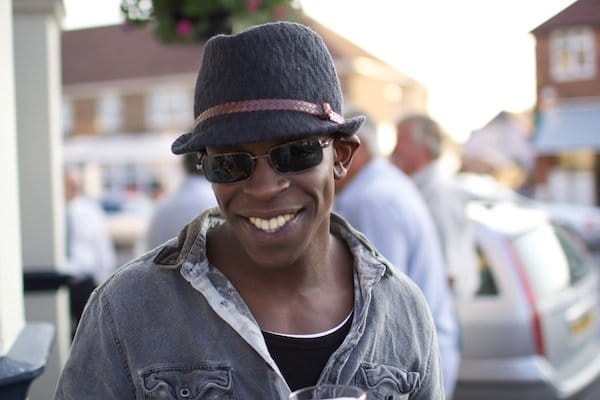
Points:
(190, 21)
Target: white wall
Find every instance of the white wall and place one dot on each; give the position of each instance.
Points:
(11, 292)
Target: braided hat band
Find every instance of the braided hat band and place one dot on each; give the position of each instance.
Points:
(322, 111)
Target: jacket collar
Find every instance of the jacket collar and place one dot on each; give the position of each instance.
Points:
(190, 244)
(190, 239)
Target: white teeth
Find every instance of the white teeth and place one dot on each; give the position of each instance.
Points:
(264, 225)
(272, 224)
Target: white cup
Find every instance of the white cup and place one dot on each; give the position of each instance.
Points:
(329, 392)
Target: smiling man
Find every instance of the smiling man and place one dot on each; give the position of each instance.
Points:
(270, 292)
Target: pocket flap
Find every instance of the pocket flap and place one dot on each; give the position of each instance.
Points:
(386, 379)
(189, 381)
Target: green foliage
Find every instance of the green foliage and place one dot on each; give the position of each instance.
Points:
(188, 21)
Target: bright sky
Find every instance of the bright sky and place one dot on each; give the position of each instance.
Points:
(476, 57)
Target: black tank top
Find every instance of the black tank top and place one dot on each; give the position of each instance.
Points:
(302, 359)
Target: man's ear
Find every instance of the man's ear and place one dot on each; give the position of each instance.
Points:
(343, 151)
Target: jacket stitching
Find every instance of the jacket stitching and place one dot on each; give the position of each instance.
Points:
(426, 373)
(124, 364)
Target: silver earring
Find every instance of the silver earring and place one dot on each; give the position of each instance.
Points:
(199, 164)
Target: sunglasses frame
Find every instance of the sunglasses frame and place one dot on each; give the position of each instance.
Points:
(323, 142)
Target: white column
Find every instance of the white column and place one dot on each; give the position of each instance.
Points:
(38, 93)
(38, 84)
(11, 289)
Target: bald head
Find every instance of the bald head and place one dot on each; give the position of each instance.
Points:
(418, 143)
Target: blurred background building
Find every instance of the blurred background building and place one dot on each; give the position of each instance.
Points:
(550, 151)
(502, 149)
(567, 133)
(110, 101)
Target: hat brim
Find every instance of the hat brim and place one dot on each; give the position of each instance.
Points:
(260, 126)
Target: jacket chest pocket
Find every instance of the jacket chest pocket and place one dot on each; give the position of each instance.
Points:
(385, 382)
(187, 382)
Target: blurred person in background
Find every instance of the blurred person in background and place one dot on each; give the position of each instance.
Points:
(382, 203)
(178, 208)
(418, 149)
(157, 190)
(90, 253)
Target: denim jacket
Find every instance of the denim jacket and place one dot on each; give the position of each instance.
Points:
(168, 325)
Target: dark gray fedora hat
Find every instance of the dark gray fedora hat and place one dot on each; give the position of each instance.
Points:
(267, 82)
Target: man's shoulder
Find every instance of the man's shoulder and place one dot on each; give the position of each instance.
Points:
(136, 276)
(372, 263)
(398, 289)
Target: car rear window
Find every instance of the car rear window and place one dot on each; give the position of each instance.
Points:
(551, 259)
(577, 256)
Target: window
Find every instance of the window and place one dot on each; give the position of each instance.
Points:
(133, 113)
(572, 54)
(169, 108)
(487, 285)
(67, 117)
(574, 248)
(109, 113)
(84, 114)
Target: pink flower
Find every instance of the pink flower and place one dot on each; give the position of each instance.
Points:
(252, 5)
(183, 28)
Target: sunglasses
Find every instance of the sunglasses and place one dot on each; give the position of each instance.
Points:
(288, 158)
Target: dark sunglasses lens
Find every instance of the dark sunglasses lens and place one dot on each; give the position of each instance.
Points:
(227, 168)
(297, 156)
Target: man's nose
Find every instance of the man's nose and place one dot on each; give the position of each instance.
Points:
(265, 182)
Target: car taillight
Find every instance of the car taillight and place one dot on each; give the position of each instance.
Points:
(536, 325)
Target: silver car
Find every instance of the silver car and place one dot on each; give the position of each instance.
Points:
(582, 220)
(531, 332)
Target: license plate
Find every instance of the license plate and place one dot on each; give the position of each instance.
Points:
(582, 324)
